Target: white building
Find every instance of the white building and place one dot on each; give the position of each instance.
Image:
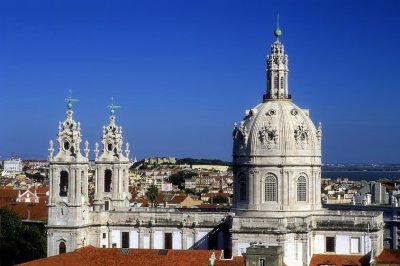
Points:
(13, 165)
(277, 175)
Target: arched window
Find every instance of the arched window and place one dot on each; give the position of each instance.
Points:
(62, 248)
(63, 184)
(242, 187)
(302, 188)
(107, 180)
(282, 82)
(270, 188)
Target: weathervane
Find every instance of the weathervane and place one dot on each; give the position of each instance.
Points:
(277, 31)
(112, 106)
(70, 100)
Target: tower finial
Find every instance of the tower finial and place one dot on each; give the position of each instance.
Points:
(277, 31)
(70, 100)
(112, 106)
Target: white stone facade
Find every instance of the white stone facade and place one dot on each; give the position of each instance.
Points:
(12, 166)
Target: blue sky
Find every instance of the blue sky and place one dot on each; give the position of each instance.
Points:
(185, 71)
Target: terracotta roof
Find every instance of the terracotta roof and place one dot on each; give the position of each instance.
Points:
(177, 199)
(8, 195)
(39, 190)
(145, 202)
(339, 260)
(389, 256)
(28, 211)
(113, 256)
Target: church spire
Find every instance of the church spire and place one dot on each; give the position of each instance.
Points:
(277, 70)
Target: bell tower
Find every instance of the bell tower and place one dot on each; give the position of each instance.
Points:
(68, 188)
(112, 168)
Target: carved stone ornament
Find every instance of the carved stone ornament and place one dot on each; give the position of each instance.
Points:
(268, 136)
(271, 112)
(240, 134)
(294, 112)
(301, 135)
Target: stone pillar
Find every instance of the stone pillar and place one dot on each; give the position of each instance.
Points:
(256, 189)
(151, 238)
(114, 183)
(250, 189)
(78, 189)
(50, 200)
(71, 188)
(305, 249)
(183, 239)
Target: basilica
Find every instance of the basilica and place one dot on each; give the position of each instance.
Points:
(277, 184)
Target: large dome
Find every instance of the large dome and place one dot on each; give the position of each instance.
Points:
(277, 151)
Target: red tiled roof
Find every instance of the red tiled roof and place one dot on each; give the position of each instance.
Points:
(338, 260)
(177, 199)
(39, 190)
(389, 256)
(112, 256)
(8, 195)
(28, 211)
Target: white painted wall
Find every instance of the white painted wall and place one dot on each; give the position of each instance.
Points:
(189, 242)
(176, 240)
(299, 253)
(146, 242)
(134, 239)
(290, 253)
(158, 239)
(319, 244)
(116, 237)
(342, 244)
(355, 245)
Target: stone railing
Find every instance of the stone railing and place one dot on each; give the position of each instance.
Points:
(158, 217)
(345, 220)
(350, 220)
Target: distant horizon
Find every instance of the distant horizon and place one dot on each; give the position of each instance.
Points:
(178, 158)
(184, 72)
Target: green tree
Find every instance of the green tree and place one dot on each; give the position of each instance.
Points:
(152, 193)
(18, 242)
(218, 199)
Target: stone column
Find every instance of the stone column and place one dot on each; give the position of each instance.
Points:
(305, 248)
(109, 236)
(256, 189)
(78, 189)
(114, 183)
(85, 185)
(250, 189)
(71, 188)
(51, 187)
(151, 238)
(183, 239)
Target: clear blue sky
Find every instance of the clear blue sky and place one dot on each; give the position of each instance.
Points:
(185, 71)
